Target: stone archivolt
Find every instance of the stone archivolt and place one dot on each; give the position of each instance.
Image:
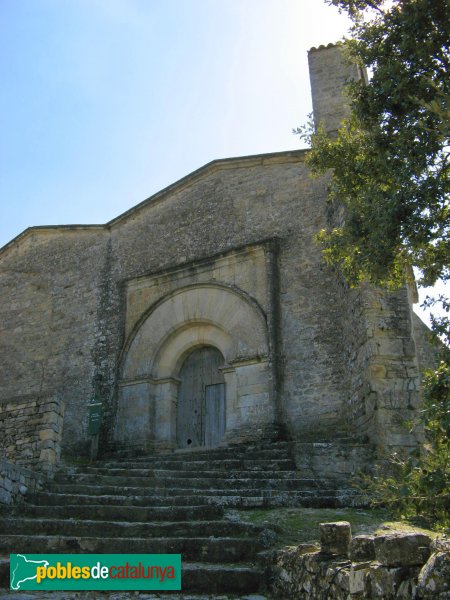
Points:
(189, 318)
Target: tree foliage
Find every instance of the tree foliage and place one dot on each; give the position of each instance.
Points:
(390, 170)
(390, 160)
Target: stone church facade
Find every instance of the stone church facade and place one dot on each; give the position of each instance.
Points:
(205, 316)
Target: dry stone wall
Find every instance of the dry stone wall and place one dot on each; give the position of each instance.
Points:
(396, 566)
(17, 482)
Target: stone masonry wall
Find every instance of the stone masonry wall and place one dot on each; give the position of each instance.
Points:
(31, 432)
(50, 284)
(16, 482)
(400, 566)
(329, 71)
(245, 202)
(382, 360)
(379, 336)
(64, 305)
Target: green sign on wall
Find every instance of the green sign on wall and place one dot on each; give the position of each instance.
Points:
(95, 418)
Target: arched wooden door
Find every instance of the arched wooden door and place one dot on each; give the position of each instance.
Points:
(201, 399)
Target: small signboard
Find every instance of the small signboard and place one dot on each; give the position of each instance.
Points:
(95, 418)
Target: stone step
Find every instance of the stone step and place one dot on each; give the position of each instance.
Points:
(196, 578)
(158, 474)
(222, 578)
(171, 503)
(155, 499)
(198, 549)
(274, 452)
(52, 498)
(279, 464)
(202, 493)
(264, 483)
(233, 499)
(126, 513)
(124, 529)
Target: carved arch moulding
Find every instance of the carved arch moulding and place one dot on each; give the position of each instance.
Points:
(191, 308)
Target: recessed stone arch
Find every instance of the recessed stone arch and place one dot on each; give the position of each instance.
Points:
(192, 317)
(195, 308)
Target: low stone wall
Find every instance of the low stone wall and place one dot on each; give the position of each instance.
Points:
(16, 482)
(31, 432)
(393, 566)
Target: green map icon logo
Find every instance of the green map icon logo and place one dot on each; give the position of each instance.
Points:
(23, 569)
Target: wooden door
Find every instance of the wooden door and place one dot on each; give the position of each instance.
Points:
(201, 399)
(214, 414)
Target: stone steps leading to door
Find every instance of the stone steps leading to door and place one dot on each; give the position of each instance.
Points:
(172, 503)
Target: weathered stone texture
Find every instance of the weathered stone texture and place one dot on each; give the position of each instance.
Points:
(402, 549)
(427, 350)
(31, 432)
(16, 482)
(314, 575)
(335, 538)
(362, 548)
(49, 287)
(434, 578)
(329, 72)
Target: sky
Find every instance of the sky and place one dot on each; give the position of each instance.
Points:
(105, 102)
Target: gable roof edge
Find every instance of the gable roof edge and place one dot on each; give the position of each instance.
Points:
(214, 165)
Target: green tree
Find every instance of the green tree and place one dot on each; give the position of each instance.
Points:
(390, 169)
(390, 161)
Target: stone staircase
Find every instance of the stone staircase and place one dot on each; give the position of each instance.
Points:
(172, 503)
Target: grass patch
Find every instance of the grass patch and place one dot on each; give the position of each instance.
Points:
(301, 525)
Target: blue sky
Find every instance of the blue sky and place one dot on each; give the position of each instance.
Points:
(105, 102)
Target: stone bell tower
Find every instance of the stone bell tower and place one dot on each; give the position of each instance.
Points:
(329, 71)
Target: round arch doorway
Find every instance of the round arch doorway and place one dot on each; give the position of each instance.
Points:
(201, 399)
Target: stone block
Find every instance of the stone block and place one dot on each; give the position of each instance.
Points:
(47, 434)
(47, 455)
(6, 484)
(357, 578)
(405, 549)
(5, 497)
(335, 537)
(434, 578)
(385, 581)
(362, 548)
(378, 371)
